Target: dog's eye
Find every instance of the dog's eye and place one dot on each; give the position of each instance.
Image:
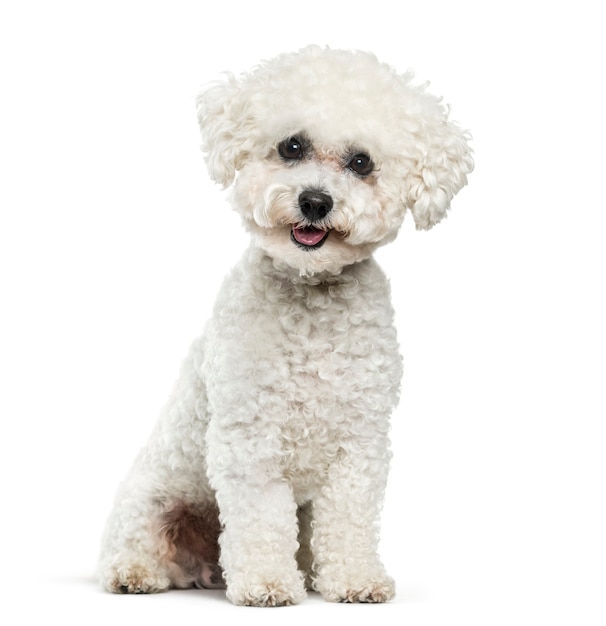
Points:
(291, 148)
(361, 164)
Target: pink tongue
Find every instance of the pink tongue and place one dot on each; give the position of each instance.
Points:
(308, 236)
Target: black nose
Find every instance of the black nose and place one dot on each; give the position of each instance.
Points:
(314, 204)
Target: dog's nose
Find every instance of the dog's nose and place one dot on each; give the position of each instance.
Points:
(314, 204)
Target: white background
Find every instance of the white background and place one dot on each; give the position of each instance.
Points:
(113, 243)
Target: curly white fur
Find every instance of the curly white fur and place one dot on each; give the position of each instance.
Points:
(267, 468)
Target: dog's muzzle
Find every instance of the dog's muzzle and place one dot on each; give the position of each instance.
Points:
(315, 206)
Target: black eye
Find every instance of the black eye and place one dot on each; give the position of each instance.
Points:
(361, 164)
(291, 149)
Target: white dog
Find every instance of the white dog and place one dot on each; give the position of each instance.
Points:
(267, 469)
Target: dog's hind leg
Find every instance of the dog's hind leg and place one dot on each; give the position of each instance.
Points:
(132, 559)
(141, 538)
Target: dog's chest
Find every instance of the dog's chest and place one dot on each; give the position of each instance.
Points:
(339, 366)
(300, 370)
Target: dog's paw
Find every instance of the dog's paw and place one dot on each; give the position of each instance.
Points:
(134, 577)
(357, 588)
(260, 592)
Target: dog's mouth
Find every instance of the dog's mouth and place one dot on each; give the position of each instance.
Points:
(308, 237)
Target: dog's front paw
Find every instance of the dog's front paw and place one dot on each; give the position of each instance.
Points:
(356, 588)
(258, 591)
(134, 576)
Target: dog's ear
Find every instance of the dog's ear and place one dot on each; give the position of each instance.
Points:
(440, 171)
(222, 118)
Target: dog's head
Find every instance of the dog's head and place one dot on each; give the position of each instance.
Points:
(326, 149)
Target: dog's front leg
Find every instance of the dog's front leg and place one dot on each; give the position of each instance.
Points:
(346, 532)
(259, 538)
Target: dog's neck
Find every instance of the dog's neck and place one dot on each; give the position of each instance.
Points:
(282, 272)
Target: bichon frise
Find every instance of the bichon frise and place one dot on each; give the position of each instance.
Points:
(267, 468)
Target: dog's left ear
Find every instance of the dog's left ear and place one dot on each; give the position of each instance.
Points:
(222, 118)
(440, 171)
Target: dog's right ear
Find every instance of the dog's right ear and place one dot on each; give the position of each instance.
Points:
(221, 116)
